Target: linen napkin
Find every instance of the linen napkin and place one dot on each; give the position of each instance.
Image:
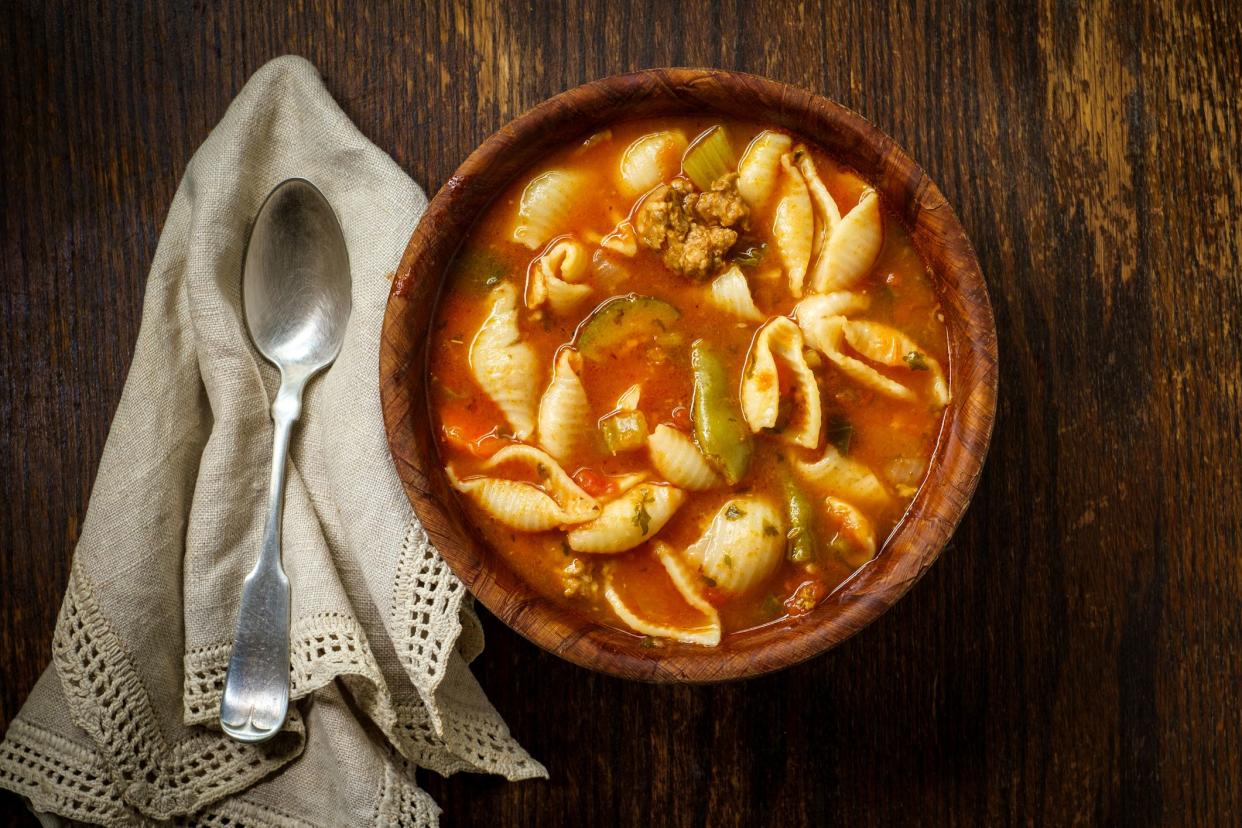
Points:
(121, 728)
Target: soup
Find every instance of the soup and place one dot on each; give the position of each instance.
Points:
(687, 375)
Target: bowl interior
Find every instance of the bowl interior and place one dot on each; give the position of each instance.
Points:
(939, 238)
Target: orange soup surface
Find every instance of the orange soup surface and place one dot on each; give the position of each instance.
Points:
(687, 376)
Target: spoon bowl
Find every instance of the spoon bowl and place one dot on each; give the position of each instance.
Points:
(296, 284)
(296, 298)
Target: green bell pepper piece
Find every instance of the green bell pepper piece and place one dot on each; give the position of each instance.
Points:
(719, 428)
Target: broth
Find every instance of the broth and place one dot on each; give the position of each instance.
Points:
(819, 490)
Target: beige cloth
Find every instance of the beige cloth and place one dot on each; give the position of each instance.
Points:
(121, 729)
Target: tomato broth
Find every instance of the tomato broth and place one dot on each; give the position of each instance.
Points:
(678, 242)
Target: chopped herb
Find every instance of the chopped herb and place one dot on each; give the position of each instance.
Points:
(642, 518)
(750, 255)
(542, 470)
(727, 560)
(840, 433)
(733, 512)
(916, 361)
(648, 642)
(771, 606)
(711, 582)
(769, 530)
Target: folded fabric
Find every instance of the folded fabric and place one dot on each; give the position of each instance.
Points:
(121, 729)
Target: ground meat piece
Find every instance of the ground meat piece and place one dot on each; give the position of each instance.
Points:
(578, 579)
(692, 229)
(723, 203)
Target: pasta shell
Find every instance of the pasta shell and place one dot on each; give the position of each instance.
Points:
(517, 505)
(854, 540)
(679, 461)
(827, 215)
(731, 293)
(621, 240)
(845, 478)
(741, 546)
(757, 171)
(629, 520)
(504, 366)
(793, 226)
(827, 335)
(684, 579)
(527, 506)
(780, 339)
(625, 482)
(889, 346)
(544, 209)
(707, 633)
(852, 248)
(663, 615)
(554, 277)
(650, 161)
(542, 467)
(813, 311)
(566, 427)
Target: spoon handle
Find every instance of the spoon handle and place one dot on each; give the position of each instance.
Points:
(256, 688)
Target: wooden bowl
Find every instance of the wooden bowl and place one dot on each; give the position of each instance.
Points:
(845, 135)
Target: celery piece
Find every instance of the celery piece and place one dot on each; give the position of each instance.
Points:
(624, 431)
(719, 429)
(709, 157)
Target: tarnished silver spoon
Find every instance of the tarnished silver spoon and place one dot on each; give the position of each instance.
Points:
(296, 297)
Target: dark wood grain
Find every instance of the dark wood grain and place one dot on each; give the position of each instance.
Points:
(1075, 655)
(410, 321)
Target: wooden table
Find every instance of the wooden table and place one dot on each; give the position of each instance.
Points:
(1076, 655)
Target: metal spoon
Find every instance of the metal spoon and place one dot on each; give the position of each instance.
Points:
(296, 296)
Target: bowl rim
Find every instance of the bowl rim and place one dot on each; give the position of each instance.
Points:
(956, 465)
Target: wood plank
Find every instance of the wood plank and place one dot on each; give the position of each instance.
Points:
(1075, 656)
